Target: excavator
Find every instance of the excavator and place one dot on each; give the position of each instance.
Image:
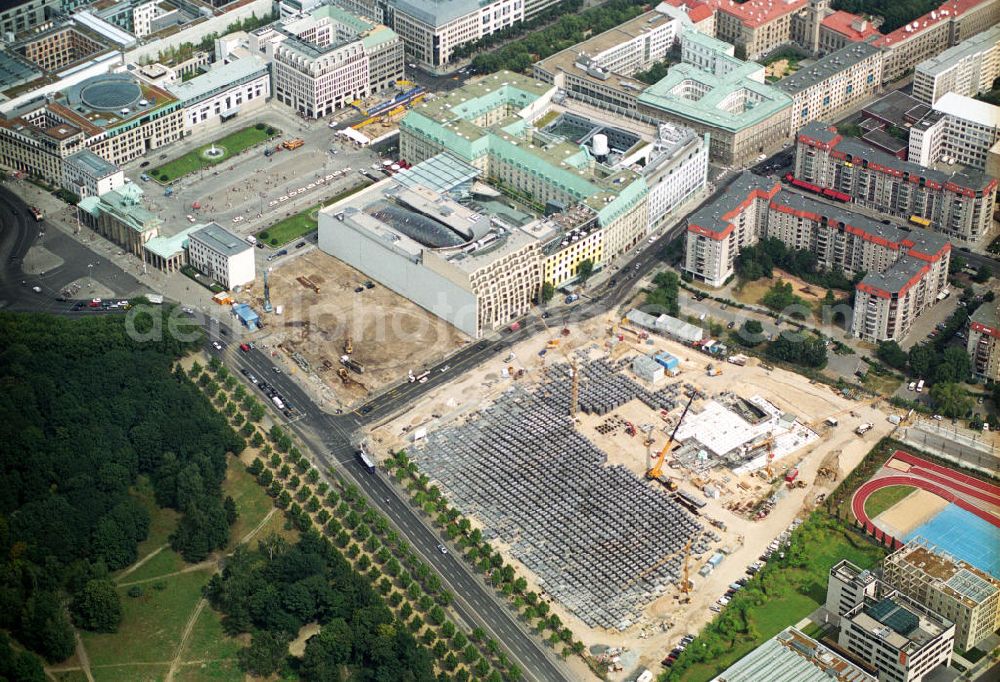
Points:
(656, 470)
(348, 345)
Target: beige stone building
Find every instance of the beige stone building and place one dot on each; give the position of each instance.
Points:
(116, 116)
(832, 85)
(948, 25)
(324, 60)
(952, 588)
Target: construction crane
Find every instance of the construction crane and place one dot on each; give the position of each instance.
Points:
(686, 581)
(553, 342)
(653, 473)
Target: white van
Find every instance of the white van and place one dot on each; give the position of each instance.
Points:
(251, 239)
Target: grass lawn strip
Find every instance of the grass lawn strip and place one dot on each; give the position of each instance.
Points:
(251, 501)
(131, 673)
(151, 625)
(208, 642)
(162, 521)
(193, 161)
(301, 224)
(884, 499)
(165, 562)
(206, 671)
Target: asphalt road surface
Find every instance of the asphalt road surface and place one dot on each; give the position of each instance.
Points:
(18, 233)
(332, 438)
(332, 441)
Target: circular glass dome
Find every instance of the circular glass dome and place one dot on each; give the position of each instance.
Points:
(110, 95)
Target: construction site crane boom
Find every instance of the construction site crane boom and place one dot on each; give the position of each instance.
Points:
(655, 471)
(686, 584)
(574, 397)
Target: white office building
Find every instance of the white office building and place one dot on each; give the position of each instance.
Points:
(675, 170)
(224, 92)
(960, 130)
(88, 175)
(221, 255)
(901, 639)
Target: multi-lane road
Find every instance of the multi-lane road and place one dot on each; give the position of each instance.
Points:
(332, 440)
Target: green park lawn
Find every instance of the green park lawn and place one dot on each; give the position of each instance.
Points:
(162, 521)
(164, 562)
(208, 641)
(193, 161)
(132, 673)
(251, 501)
(792, 593)
(301, 224)
(884, 498)
(207, 671)
(152, 624)
(290, 228)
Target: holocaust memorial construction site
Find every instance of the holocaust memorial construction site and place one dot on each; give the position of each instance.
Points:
(560, 452)
(600, 540)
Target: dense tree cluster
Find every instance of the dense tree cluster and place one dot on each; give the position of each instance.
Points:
(518, 29)
(895, 12)
(802, 349)
(655, 73)
(760, 259)
(19, 666)
(86, 408)
(275, 590)
(750, 333)
(571, 28)
(780, 297)
(663, 299)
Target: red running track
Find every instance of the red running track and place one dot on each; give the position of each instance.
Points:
(951, 485)
(981, 490)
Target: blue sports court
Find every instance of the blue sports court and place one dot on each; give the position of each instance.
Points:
(965, 536)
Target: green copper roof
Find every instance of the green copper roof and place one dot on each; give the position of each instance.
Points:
(754, 102)
(485, 117)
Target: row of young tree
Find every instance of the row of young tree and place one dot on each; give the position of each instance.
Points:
(571, 28)
(566, 7)
(339, 517)
(86, 409)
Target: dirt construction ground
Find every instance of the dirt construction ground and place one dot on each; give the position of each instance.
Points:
(389, 335)
(665, 620)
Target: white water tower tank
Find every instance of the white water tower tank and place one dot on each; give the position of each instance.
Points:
(600, 145)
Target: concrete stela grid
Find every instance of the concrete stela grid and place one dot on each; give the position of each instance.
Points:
(600, 541)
